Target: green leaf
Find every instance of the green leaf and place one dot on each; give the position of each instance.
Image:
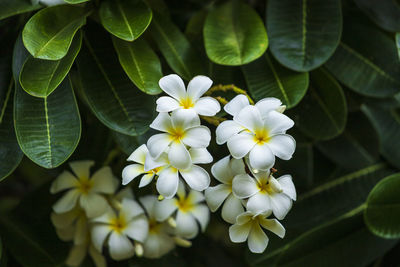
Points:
(267, 78)
(382, 214)
(41, 77)
(49, 33)
(181, 56)
(234, 34)
(140, 63)
(387, 125)
(112, 97)
(126, 142)
(303, 34)
(398, 44)
(366, 61)
(10, 8)
(75, 1)
(323, 112)
(354, 149)
(126, 19)
(385, 13)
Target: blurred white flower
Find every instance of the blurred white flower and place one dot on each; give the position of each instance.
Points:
(266, 193)
(134, 170)
(83, 188)
(51, 2)
(196, 177)
(248, 227)
(78, 253)
(224, 171)
(116, 228)
(180, 130)
(159, 241)
(190, 212)
(189, 100)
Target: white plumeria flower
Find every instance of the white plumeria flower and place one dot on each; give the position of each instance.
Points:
(159, 241)
(129, 222)
(134, 170)
(88, 190)
(71, 225)
(265, 192)
(224, 171)
(51, 2)
(260, 138)
(168, 180)
(190, 212)
(191, 99)
(248, 227)
(180, 130)
(78, 253)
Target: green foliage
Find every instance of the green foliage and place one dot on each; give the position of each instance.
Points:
(10, 8)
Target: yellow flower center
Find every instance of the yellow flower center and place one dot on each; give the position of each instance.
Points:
(261, 136)
(184, 204)
(118, 224)
(265, 187)
(187, 103)
(154, 226)
(85, 185)
(177, 134)
(154, 171)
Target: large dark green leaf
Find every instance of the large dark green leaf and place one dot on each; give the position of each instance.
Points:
(234, 34)
(385, 13)
(10, 8)
(181, 56)
(113, 98)
(267, 78)
(366, 60)
(41, 77)
(382, 214)
(140, 63)
(398, 44)
(323, 112)
(49, 33)
(303, 34)
(126, 19)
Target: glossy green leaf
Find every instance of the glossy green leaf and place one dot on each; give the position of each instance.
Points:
(353, 149)
(41, 77)
(303, 34)
(366, 61)
(234, 34)
(126, 142)
(49, 33)
(387, 125)
(140, 63)
(126, 19)
(112, 97)
(385, 13)
(323, 112)
(10, 8)
(181, 56)
(398, 44)
(267, 78)
(382, 214)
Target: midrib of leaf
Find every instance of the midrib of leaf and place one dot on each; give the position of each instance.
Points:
(278, 80)
(3, 109)
(52, 76)
(304, 32)
(239, 51)
(48, 129)
(137, 66)
(368, 62)
(324, 108)
(125, 18)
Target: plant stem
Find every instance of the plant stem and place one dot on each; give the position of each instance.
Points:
(229, 87)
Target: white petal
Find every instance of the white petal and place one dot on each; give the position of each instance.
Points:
(244, 218)
(130, 209)
(67, 202)
(268, 104)
(63, 220)
(236, 104)
(237, 166)
(64, 181)
(195, 197)
(157, 245)
(181, 193)
(221, 170)
(259, 203)
(281, 204)
(239, 233)
(231, 209)
(184, 119)
(166, 104)
(200, 155)
(240, 144)
(97, 257)
(196, 177)
(287, 186)
(105, 218)
(164, 209)
(66, 234)
(76, 255)
(99, 234)
(261, 157)
(130, 172)
(186, 225)
(139, 155)
(124, 193)
(274, 226)
(93, 204)
(81, 168)
(277, 123)
(158, 143)
(81, 231)
(250, 118)
(138, 228)
(207, 106)
(198, 86)
(167, 182)
(179, 156)
(215, 195)
(197, 137)
(103, 181)
(283, 146)
(146, 179)
(152, 163)
(173, 85)
(226, 130)
(258, 240)
(120, 247)
(149, 204)
(202, 215)
(162, 122)
(244, 186)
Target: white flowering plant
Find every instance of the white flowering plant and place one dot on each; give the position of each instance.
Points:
(199, 133)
